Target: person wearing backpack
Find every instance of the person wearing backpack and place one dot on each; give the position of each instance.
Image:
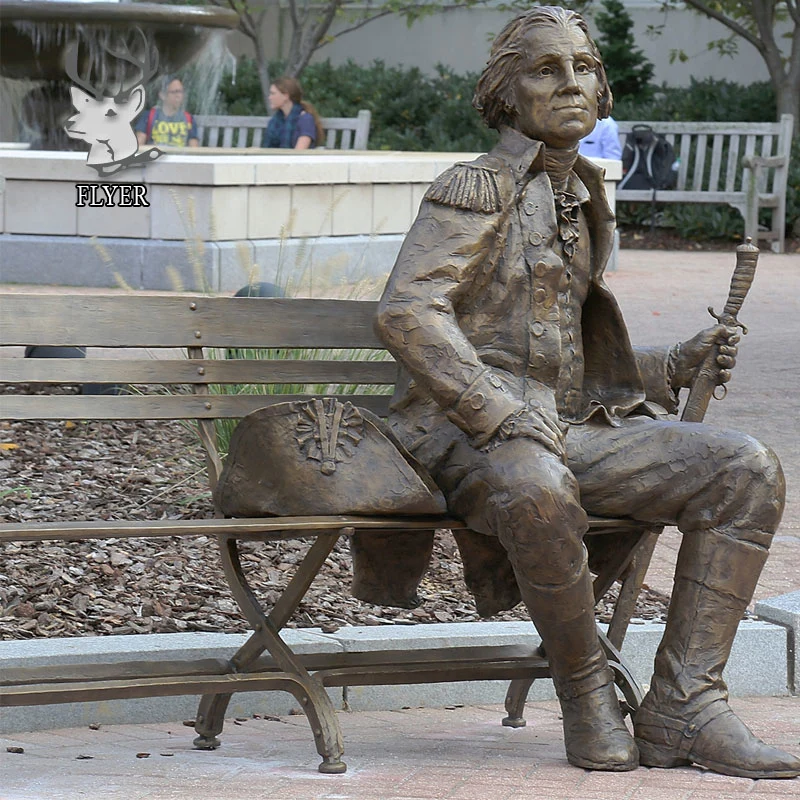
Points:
(168, 123)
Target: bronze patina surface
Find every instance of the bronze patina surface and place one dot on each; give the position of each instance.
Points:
(526, 401)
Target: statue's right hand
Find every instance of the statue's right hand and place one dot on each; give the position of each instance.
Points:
(533, 423)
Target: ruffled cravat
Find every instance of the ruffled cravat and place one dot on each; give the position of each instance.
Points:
(558, 165)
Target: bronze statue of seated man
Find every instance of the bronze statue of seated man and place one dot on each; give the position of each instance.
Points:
(526, 401)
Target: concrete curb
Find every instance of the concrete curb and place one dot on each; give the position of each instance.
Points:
(785, 610)
(759, 666)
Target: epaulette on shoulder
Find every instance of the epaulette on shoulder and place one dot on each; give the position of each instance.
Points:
(467, 186)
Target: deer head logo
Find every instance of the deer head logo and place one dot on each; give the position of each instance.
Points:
(105, 110)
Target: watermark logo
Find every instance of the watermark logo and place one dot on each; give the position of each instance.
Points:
(104, 114)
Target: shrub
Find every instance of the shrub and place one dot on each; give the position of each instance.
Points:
(410, 110)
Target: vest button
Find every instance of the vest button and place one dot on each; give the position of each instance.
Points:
(537, 329)
(529, 207)
(540, 295)
(535, 238)
(540, 269)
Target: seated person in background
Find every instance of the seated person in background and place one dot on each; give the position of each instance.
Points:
(294, 123)
(603, 141)
(168, 123)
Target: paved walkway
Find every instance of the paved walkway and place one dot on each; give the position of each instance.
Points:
(464, 753)
(457, 754)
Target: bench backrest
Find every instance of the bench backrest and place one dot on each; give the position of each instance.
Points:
(178, 353)
(341, 133)
(710, 153)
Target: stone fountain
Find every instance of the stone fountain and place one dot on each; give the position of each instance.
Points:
(35, 35)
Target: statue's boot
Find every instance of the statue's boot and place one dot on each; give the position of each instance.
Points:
(685, 717)
(595, 734)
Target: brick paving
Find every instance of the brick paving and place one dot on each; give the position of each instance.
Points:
(452, 754)
(464, 753)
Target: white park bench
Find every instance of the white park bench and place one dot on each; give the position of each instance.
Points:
(743, 164)
(341, 133)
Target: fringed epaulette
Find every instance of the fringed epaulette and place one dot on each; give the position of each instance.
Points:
(467, 186)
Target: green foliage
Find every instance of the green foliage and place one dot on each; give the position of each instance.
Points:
(410, 110)
(708, 100)
(628, 69)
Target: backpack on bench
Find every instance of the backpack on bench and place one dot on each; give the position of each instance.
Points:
(648, 161)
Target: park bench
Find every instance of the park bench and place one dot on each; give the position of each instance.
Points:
(193, 335)
(341, 133)
(742, 164)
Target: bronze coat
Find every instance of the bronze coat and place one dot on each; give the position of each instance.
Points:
(481, 264)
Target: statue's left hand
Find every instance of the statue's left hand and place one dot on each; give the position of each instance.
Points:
(689, 355)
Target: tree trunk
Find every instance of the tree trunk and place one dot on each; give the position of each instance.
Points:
(263, 74)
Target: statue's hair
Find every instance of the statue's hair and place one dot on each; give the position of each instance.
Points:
(494, 92)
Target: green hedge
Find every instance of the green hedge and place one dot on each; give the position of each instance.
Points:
(414, 111)
(410, 110)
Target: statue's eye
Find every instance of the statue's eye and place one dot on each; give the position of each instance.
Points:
(545, 72)
(111, 113)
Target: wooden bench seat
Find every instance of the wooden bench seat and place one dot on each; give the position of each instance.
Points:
(341, 133)
(195, 337)
(741, 164)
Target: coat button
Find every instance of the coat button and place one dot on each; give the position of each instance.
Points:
(538, 361)
(529, 207)
(537, 329)
(535, 238)
(540, 295)
(477, 401)
(540, 269)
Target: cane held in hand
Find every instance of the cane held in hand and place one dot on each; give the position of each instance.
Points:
(706, 381)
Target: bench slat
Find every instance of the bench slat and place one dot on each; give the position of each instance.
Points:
(733, 161)
(166, 407)
(683, 169)
(256, 527)
(273, 528)
(716, 162)
(681, 196)
(699, 162)
(171, 372)
(114, 321)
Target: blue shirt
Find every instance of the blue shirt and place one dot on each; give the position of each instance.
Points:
(603, 141)
(284, 131)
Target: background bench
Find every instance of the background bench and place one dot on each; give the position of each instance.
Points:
(193, 337)
(341, 133)
(743, 164)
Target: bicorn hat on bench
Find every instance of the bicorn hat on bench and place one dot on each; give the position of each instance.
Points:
(321, 456)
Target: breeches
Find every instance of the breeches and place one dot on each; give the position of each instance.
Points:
(695, 476)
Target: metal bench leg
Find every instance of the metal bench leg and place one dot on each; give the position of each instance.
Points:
(515, 702)
(623, 677)
(308, 691)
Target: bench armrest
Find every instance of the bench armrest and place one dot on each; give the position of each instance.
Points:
(754, 162)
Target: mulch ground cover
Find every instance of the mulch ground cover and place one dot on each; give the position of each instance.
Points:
(59, 471)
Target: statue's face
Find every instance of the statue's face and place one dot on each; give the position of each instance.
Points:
(555, 93)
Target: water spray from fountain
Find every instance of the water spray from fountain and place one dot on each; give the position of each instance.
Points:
(35, 37)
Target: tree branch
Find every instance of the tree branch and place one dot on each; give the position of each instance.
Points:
(399, 11)
(728, 22)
